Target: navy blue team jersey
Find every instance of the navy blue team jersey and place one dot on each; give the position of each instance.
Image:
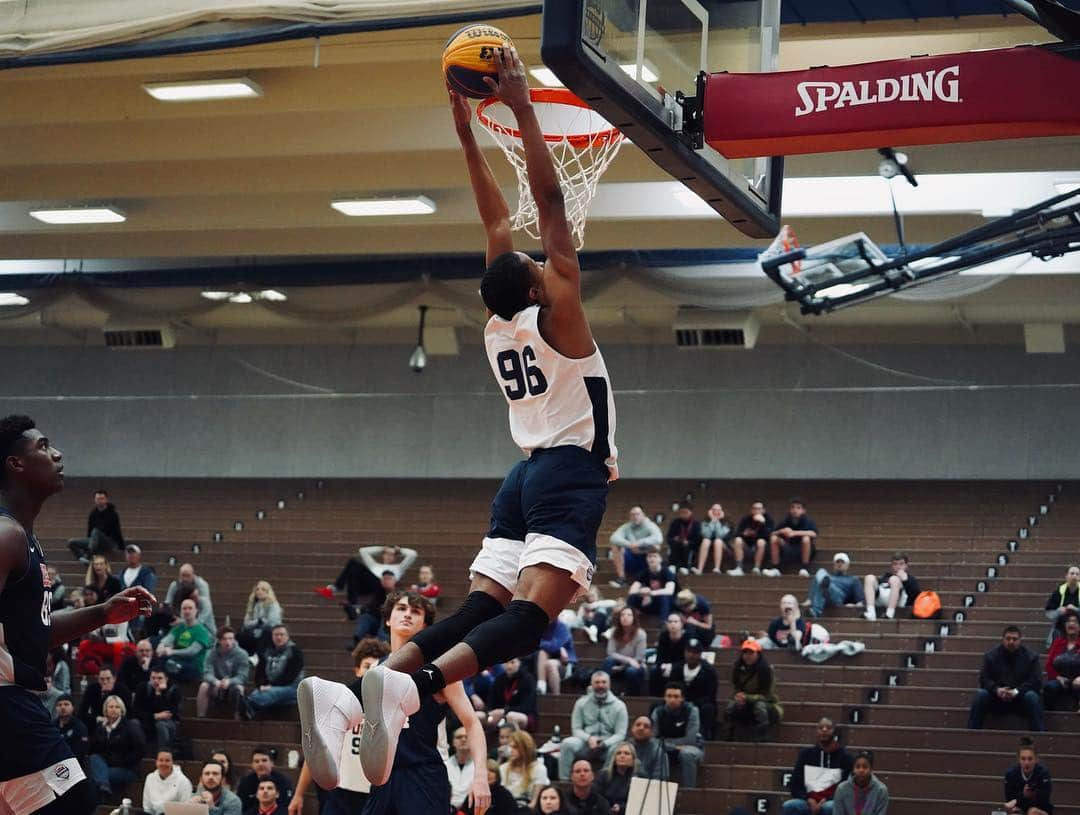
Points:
(25, 619)
(418, 782)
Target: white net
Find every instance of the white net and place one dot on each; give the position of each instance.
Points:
(582, 145)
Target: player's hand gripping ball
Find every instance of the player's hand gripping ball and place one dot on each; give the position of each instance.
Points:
(470, 55)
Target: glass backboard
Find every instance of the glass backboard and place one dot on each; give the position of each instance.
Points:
(629, 59)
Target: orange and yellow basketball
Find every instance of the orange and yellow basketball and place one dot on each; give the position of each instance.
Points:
(470, 55)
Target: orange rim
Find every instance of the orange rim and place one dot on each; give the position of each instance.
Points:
(550, 96)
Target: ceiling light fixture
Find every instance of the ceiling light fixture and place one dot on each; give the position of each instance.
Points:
(245, 297)
(203, 90)
(10, 298)
(79, 215)
(368, 207)
(418, 359)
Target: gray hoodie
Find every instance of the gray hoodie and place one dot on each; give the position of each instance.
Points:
(233, 665)
(877, 800)
(606, 718)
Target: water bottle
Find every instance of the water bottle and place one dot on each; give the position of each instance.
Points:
(556, 734)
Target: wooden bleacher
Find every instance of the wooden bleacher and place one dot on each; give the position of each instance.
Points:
(954, 532)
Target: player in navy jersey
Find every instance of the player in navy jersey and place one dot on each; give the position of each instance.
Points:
(38, 772)
(540, 552)
(419, 783)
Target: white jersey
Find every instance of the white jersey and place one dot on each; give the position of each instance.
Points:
(554, 400)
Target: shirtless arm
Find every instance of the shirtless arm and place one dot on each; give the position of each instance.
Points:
(563, 324)
(480, 795)
(494, 212)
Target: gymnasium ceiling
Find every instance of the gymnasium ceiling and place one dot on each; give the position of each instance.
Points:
(363, 115)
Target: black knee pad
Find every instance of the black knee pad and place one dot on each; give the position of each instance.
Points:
(436, 640)
(514, 633)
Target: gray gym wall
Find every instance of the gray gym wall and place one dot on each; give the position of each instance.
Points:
(774, 412)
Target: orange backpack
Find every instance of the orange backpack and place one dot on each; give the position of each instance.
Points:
(927, 605)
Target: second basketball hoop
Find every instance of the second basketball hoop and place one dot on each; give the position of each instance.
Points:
(582, 143)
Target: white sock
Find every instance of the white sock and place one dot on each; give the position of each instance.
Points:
(541, 686)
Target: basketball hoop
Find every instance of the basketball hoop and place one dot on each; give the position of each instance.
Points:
(582, 145)
(783, 243)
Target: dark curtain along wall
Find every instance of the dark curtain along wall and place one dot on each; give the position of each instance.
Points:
(775, 412)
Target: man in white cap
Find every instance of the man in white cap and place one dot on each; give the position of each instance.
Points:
(836, 589)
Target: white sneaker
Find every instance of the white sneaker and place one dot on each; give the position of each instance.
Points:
(890, 613)
(541, 686)
(390, 697)
(870, 614)
(756, 570)
(803, 573)
(771, 572)
(591, 632)
(695, 570)
(738, 572)
(683, 570)
(717, 571)
(328, 711)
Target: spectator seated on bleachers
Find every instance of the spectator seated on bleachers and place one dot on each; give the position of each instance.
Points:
(262, 769)
(102, 530)
(582, 798)
(229, 770)
(697, 615)
(652, 761)
(631, 542)
(598, 722)
(591, 616)
(502, 802)
(189, 584)
(224, 674)
(795, 539)
(99, 576)
(369, 620)
(894, 589)
(185, 647)
(678, 725)
(837, 588)
(137, 573)
(167, 784)
(555, 658)
(670, 649)
(262, 613)
(626, 651)
(700, 681)
(135, 669)
(716, 538)
(267, 800)
(683, 539)
(754, 700)
(1009, 681)
(1065, 597)
(116, 748)
(75, 733)
(157, 707)
(551, 801)
(427, 587)
(1028, 786)
(1062, 688)
(523, 774)
(58, 589)
(460, 769)
(752, 533)
(280, 669)
(789, 630)
(92, 704)
(863, 793)
(512, 697)
(653, 590)
(613, 782)
(378, 559)
(818, 771)
(212, 792)
(58, 670)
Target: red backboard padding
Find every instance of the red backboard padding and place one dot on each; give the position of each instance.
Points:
(975, 96)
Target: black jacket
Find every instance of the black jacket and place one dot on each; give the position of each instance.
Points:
(357, 581)
(517, 693)
(147, 702)
(76, 735)
(1002, 669)
(131, 674)
(123, 747)
(595, 804)
(280, 666)
(108, 521)
(1040, 780)
(704, 686)
(92, 704)
(814, 756)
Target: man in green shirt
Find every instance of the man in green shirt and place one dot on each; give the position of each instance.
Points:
(186, 644)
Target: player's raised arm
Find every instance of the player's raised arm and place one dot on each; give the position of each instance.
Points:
(69, 623)
(494, 211)
(512, 89)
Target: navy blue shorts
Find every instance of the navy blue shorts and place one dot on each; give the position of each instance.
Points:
(29, 741)
(557, 491)
(417, 790)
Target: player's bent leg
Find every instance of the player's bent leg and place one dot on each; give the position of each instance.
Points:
(328, 712)
(79, 800)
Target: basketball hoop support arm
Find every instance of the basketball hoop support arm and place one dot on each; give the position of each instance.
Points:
(693, 120)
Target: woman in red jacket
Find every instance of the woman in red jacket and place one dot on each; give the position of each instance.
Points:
(1063, 666)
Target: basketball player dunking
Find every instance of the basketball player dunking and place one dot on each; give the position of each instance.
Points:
(38, 772)
(541, 549)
